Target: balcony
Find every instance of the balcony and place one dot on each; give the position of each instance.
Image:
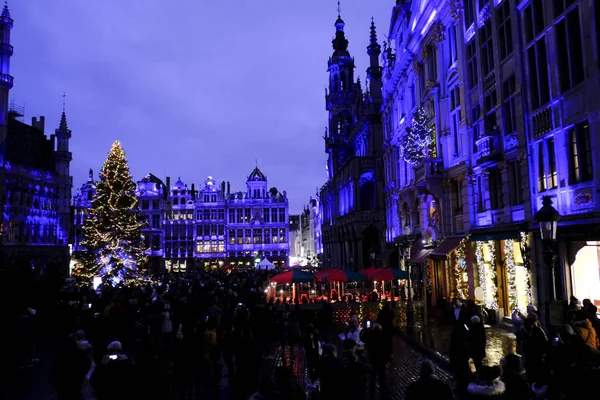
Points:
(7, 79)
(431, 168)
(487, 146)
(6, 49)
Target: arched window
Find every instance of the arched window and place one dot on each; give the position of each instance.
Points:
(336, 83)
(344, 81)
(417, 213)
(175, 201)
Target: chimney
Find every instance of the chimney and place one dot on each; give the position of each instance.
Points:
(223, 187)
(228, 187)
(193, 191)
(168, 188)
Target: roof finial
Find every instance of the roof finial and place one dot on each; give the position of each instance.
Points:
(5, 10)
(64, 101)
(256, 162)
(339, 9)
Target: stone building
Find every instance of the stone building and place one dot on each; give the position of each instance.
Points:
(35, 183)
(353, 224)
(310, 222)
(207, 228)
(510, 90)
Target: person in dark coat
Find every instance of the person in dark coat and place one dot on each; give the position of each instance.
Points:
(330, 372)
(477, 342)
(459, 351)
(515, 378)
(69, 371)
(353, 374)
(385, 318)
(112, 377)
(379, 356)
(428, 386)
(488, 386)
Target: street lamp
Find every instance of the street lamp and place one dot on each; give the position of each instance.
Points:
(410, 306)
(548, 218)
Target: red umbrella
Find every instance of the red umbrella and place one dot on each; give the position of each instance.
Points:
(344, 275)
(369, 271)
(293, 276)
(389, 274)
(324, 272)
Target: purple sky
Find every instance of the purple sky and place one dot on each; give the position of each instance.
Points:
(191, 88)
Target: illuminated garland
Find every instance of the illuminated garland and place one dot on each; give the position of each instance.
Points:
(416, 144)
(527, 270)
(489, 290)
(461, 284)
(511, 272)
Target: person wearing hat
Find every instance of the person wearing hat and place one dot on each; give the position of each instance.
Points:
(112, 377)
(488, 386)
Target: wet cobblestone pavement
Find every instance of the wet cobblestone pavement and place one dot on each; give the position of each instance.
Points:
(500, 341)
(34, 383)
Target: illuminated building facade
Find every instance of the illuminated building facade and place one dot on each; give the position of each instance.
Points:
(353, 225)
(509, 127)
(35, 186)
(310, 225)
(210, 227)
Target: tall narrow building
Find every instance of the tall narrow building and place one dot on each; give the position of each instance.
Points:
(35, 182)
(352, 197)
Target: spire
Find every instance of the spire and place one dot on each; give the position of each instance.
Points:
(373, 32)
(340, 43)
(5, 11)
(63, 119)
(91, 176)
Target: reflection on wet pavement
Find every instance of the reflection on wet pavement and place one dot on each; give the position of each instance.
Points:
(500, 341)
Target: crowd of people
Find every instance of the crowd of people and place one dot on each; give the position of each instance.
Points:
(185, 334)
(566, 366)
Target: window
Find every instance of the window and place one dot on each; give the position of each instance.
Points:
(505, 41)
(496, 192)
(175, 201)
(274, 215)
(534, 19)
(232, 216)
(282, 238)
(432, 62)
(213, 215)
(458, 200)
(469, 12)
(145, 205)
(156, 222)
(475, 111)
(156, 245)
(232, 236)
(246, 215)
(206, 230)
(257, 235)
(487, 48)
(489, 107)
(580, 154)
(213, 230)
(541, 169)
(569, 52)
(240, 236)
(480, 199)
(221, 230)
(455, 117)
(247, 236)
(206, 215)
(472, 64)
(453, 45)
(539, 86)
(266, 215)
(155, 204)
(508, 108)
(221, 214)
(516, 183)
(282, 215)
(552, 177)
(267, 236)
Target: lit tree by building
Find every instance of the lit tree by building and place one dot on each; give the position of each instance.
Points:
(112, 234)
(416, 144)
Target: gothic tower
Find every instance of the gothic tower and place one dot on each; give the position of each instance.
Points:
(375, 71)
(6, 51)
(63, 159)
(340, 100)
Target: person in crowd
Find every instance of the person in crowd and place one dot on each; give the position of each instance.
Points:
(535, 345)
(386, 318)
(586, 332)
(266, 391)
(247, 357)
(428, 386)
(488, 385)
(70, 370)
(572, 309)
(459, 350)
(477, 342)
(515, 378)
(112, 377)
(312, 349)
(354, 372)
(379, 356)
(330, 371)
(352, 331)
(286, 385)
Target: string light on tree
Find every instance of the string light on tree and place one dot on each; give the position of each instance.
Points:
(524, 248)
(460, 271)
(418, 140)
(487, 276)
(112, 235)
(511, 271)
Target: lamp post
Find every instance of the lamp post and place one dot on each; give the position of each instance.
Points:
(548, 218)
(410, 306)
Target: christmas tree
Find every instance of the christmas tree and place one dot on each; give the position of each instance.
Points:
(112, 233)
(417, 141)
